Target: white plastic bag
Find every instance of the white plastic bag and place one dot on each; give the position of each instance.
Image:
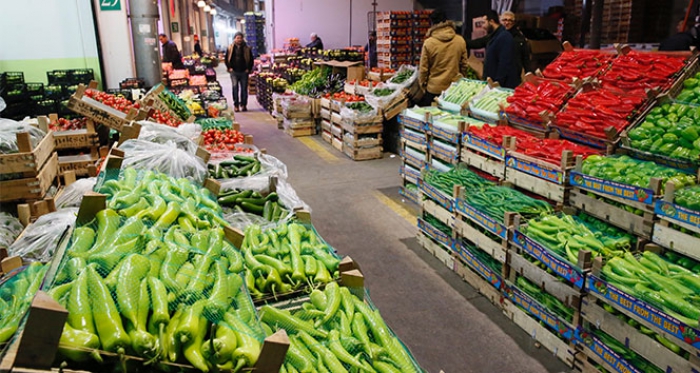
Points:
(8, 135)
(41, 238)
(73, 194)
(350, 116)
(269, 166)
(393, 82)
(10, 228)
(382, 101)
(166, 158)
(160, 134)
(287, 197)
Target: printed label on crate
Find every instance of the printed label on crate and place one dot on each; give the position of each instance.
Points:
(448, 154)
(411, 172)
(435, 234)
(539, 312)
(66, 140)
(676, 212)
(485, 146)
(413, 123)
(629, 192)
(436, 195)
(607, 354)
(411, 195)
(452, 137)
(643, 310)
(555, 176)
(560, 267)
(411, 136)
(481, 269)
(411, 159)
(482, 219)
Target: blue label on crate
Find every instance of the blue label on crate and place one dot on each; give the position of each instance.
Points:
(629, 192)
(447, 155)
(660, 319)
(582, 138)
(412, 123)
(413, 160)
(675, 212)
(436, 195)
(452, 137)
(611, 358)
(435, 234)
(482, 219)
(421, 140)
(485, 146)
(555, 176)
(485, 272)
(540, 312)
(411, 195)
(560, 267)
(410, 172)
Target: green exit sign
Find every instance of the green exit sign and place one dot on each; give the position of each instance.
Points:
(110, 5)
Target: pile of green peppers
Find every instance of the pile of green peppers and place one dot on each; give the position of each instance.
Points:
(152, 281)
(285, 258)
(547, 300)
(335, 331)
(689, 197)
(670, 129)
(691, 90)
(16, 294)
(627, 354)
(630, 171)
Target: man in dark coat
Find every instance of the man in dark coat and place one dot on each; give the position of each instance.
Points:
(522, 48)
(371, 49)
(499, 63)
(239, 62)
(316, 42)
(197, 47)
(682, 41)
(170, 52)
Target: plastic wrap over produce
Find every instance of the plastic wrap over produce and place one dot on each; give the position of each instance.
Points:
(160, 134)
(73, 194)
(10, 228)
(403, 78)
(8, 135)
(41, 238)
(381, 95)
(269, 166)
(166, 158)
(362, 112)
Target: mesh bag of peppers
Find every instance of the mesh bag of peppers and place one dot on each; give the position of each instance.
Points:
(16, 293)
(334, 330)
(152, 276)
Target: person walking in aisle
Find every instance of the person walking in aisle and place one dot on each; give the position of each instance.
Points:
(197, 47)
(239, 62)
(371, 49)
(170, 52)
(499, 63)
(316, 42)
(522, 48)
(443, 58)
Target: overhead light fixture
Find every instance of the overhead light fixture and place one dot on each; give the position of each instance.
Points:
(243, 21)
(207, 8)
(201, 3)
(213, 12)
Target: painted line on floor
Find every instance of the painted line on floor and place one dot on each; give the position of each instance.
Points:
(317, 148)
(396, 207)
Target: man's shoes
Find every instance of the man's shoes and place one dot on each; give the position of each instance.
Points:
(245, 108)
(236, 109)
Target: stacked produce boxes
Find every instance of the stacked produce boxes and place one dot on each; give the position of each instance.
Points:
(570, 259)
(394, 39)
(77, 144)
(421, 25)
(255, 32)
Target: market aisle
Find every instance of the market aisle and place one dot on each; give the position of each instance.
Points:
(356, 208)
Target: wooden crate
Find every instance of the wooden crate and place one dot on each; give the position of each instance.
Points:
(298, 132)
(101, 113)
(409, 173)
(152, 100)
(447, 155)
(337, 131)
(28, 212)
(29, 160)
(540, 177)
(326, 125)
(325, 114)
(408, 194)
(326, 136)
(669, 237)
(73, 139)
(336, 119)
(469, 222)
(465, 229)
(439, 212)
(477, 281)
(410, 158)
(540, 334)
(395, 107)
(31, 188)
(443, 200)
(438, 250)
(483, 155)
(364, 142)
(644, 345)
(337, 143)
(617, 216)
(80, 164)
(363, 154)
(592, 352)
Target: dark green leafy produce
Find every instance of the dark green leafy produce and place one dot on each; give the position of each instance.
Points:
(689, 197)
(239, 166)
(214, 123)
(401, 76)
(672, 130)
(360, 106)
(495, 201)
(442, 227)
(312, 81)
(382, 92)
(269, 206)
(445, 181)
(627, 170)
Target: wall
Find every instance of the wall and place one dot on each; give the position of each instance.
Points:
(115, 43)
(40, 36)
(331, 20)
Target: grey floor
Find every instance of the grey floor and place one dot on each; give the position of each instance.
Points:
(356, 208)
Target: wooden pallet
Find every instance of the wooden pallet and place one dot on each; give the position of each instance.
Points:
(29, 161)
(363, 154)
(646, 346)
(31, 188)
(617, 216)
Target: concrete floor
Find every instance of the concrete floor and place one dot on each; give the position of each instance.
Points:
(356, 207)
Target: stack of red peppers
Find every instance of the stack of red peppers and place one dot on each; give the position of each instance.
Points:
(642, 70)
(548, 150)
(591, 112)
(530, 99)
(116, 102)
(577, 64)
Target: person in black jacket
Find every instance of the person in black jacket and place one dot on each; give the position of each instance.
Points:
(316, 42)
(170, 52)
(371, 49)
(522, 48)
(499, 63)
(197, 47)
(239, 62)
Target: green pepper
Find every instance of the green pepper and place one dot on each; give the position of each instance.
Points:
(107, 319)
(667, 148)
(79, 316)
(79, 345)
(134, 269)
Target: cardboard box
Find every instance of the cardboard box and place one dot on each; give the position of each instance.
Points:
(478, 33)
(545, 46)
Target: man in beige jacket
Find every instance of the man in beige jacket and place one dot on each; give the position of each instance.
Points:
(443, 58)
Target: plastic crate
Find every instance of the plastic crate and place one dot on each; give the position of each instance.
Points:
(15, 93)
(34, 89)
(46, 107)
(131, 83)
(82, 75)
(13, 77)
(59, 76)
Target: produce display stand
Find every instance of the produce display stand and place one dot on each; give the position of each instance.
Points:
(101, 113)
(676, 225)
(627, 195)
